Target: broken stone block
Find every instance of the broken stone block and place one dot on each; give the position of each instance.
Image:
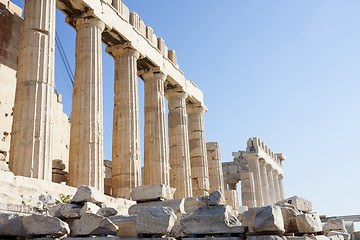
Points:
(299, 203)
(89, 207)
(107, 212)
(88, 194)
(90, 224)
(331, 234)
(247, 219)
(308, 223)
(212, 220)
(268, 219)
(155, 220)
(127, 226)
(215, 198)
(289, 215)
(152, 192)
(338, 237)
(70, 210)
(192, 204)
(35, 225)
(176, 204)
(11, 225)
(297, 238)
(335, 224)
(318, 237)
(265, 237)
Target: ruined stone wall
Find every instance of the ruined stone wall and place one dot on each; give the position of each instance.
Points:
(10, 34)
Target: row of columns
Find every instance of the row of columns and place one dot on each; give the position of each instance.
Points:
(268, 187)
(31, 136)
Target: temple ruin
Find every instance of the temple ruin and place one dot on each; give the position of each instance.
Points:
(184, 190)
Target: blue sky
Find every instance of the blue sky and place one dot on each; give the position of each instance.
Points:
(284, 71)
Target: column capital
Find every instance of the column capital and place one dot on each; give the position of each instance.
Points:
(121, 50)
(196, 108)
(175, 92)
(83, 21)
(281, 176)
(275, 171)
(152, 73)
(269, 167)
(262, 161)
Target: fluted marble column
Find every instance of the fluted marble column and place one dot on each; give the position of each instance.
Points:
(276, 186)
(248, 197)
(264, 182)
(216, 177)
(254, 167)
(86, 135)
(281, 186)
(271, 183)
(31, 136)
(156, 160)
(198, 158)
(126, 161)
(179, 158)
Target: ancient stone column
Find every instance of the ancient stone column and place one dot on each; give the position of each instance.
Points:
(281, 186)
(248, 197)
(231, 197)
(126, 161)
(198, 158)
(156, 160)
(254, 167)
(31, 136)
(216, 177)
(179, 158)
(86, 135)
(264, 182)
(276, 186)
(271, 183)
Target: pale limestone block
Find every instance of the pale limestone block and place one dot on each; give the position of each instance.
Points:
(212, 220)
(300, 203)
(142, 28)
(289, 215)
(107, 212)
(89, 207)
(318, 237)
(308, 223)
(335, 224)
(215, 198)
(44, 225)
(178, 205)
(11, 225)
(346, 236)
(152, 192)
(297, 238)
(90, 224)
(266, 237)
(338, 237)
(125, 13)
(70, 210)
(268, 219)
(193, 203)
(127, 226)
(88, 194)
(161, 46)
(172, 56)
(155, 220)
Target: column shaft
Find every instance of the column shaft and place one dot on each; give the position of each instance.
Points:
(156, 161)
(31, 136)
(248, 197)
(179, 158)
(86, 135)
(276, 186)
(271, 184)
(216, 177)
(264, 182)
(126, 161)
(254, 167)
(281, 186)
(198, 158)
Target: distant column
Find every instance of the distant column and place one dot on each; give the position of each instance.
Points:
(86, 161)
(281, 186)
(156, 160)
(248, 190)
(31, 136)
(216, 177)
(198, 158)
(271, 184)
(276, 186)
(254, 167)
(179, 158)
(264, 182)
(126, 161)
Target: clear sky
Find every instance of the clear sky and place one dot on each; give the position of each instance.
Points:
(284, 71)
